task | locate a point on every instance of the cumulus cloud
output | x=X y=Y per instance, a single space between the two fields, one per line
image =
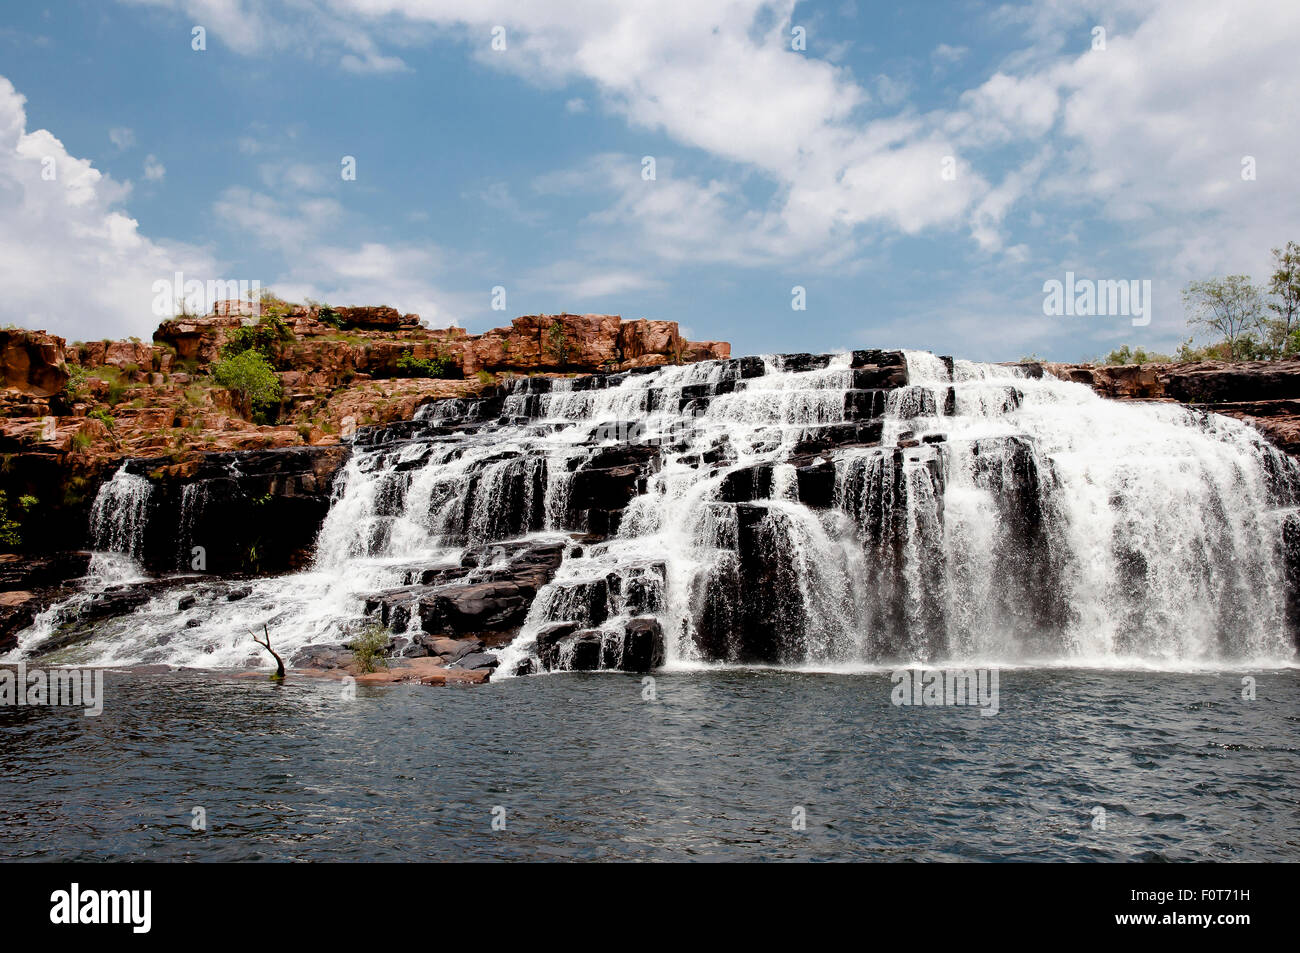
x=362 y=272
x=1157 y=123
x=72 y=260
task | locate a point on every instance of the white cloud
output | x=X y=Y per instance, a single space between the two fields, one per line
x=122 y=138
x=154 y=171
x=72 y=260
x=580 y=281
x=809 y=164
x=400 y=275
x=294 y=176
x=944 y=56
x=1151 y=123
x=576 y=105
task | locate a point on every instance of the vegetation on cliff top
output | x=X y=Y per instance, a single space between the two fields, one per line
x=1236 y=312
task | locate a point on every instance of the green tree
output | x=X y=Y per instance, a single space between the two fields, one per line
x=1284 y=286
x=1229 y=307
x=251 y=379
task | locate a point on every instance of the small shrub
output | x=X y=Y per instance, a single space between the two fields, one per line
x=368 y=648
x=557 y=343
x=75 y=388
x=264 y=337
x=117 y=392
x=1125 y=355
x=408 y=365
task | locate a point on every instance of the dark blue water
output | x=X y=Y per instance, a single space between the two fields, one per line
x=715 y=768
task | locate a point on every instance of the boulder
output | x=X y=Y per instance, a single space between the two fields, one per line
x=32 y=362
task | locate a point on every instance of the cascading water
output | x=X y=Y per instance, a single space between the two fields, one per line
x=117 y=517
x=815 y=511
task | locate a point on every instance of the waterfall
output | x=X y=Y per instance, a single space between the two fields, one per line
x=820 y=511
x=119 y=513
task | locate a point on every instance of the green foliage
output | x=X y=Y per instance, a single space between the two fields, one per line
x=250 y=377
x=486 y=378
x=103 y=416
x=1284 y=287
x=440 y=365
x=1136 y=355
x=557 y=343
x=80 y=442
x=368 y=648
x=272 y=305
x=75 y=388
x=327 y=315
x=1228 y=307
x=264 y=337
x=11 y=519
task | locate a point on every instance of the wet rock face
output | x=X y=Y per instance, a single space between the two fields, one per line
x=488 y=595
x=257 y=512
x=639 y=647
x=29 y=584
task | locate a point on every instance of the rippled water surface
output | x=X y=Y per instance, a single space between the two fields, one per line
x=715 y=768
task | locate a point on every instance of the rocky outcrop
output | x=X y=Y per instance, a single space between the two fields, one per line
x=31 y=363
x=70 y=414
x=28 y=584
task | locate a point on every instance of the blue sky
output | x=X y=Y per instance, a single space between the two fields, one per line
x=774 y=167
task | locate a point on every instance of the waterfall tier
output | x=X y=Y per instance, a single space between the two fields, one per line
x=865 y=508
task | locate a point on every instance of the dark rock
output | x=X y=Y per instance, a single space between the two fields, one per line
x=475 y=607
x=643 y=645
x=548 y=640
x=476 y=660
x=864 y=404
x=879 y=378
x=30 y=571
x=876 y=358
x=580 y=652
x=321 y=656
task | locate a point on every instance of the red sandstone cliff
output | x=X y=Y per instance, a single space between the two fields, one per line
x=338 y=369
